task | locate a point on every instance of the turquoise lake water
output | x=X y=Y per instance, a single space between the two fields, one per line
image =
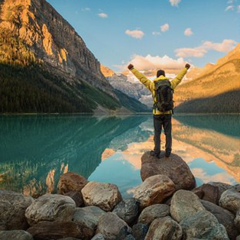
x=36 y=150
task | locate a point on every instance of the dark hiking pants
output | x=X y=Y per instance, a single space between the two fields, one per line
x=165 y=122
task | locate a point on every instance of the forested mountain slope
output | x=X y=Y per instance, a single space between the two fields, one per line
x=45 y=66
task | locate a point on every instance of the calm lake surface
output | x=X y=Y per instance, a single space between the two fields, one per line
x=36 y=150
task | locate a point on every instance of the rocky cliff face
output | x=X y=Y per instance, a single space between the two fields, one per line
x=45 y=65
x=50 y=40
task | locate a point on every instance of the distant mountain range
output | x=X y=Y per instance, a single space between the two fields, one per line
x=213 y=89
x=45 y=66
x=132 y=88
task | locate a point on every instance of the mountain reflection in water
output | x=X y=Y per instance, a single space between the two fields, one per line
x=36 y=150
x=214 y=141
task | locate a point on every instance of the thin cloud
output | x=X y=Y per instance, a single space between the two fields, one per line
x=103 y=15
x=85 y=9
x=199 y=52
x=188 y=32
x=135 y=34
x=226 y=46
x=156 y=33
x=165 y=27
x=229 y=8
x=175 y=3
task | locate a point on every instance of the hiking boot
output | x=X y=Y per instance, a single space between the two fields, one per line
x=167 y=154
x=154 y=154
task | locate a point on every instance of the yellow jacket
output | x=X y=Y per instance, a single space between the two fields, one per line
x=151 y=85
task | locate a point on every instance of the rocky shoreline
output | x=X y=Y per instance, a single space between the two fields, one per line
x=167 y=205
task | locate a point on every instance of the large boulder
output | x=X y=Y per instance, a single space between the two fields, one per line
x=225 y=217
x=57 y=230
x=153 y=190
x=203 y=225
x=103 y=195
x=110 y=226
x=77 y=198
x=71 y=182
x=50 y=207
x=196 y=222
x=185 y=204
x=139 y=231
x=152 y=212
x=88 y=217
x=127 y=210
x=174 y=167
x=230 y=199
x=211 y=191
x=164 y=228
x=12 y=210
x=208 y=192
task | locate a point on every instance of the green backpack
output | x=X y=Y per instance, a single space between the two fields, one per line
x=164 y=95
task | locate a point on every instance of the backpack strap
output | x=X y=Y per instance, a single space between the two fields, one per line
x=162 y=99
x=169 y=95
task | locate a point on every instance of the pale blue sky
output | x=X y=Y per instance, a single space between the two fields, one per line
x=154 y=32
